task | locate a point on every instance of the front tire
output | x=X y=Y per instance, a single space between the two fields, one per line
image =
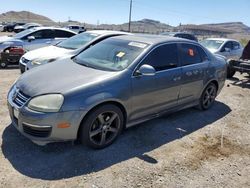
x=102 y=126
x=208 y=97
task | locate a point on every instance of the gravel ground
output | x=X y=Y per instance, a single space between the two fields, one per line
x=185 y=149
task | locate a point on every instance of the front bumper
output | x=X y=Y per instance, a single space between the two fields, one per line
x=42 y=128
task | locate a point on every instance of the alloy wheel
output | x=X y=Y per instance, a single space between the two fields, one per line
x=209 y=96
x=104 y=128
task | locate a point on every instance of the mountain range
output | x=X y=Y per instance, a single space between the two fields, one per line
x=144 y=25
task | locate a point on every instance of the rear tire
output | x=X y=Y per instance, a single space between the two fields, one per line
x=102 y=126
x=208 y=97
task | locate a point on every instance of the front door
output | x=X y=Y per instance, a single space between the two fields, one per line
x=152 y=94
x=42 y=38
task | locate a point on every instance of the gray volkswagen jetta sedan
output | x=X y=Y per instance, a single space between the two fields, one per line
x=117 y=83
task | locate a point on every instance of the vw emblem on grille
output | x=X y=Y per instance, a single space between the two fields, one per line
x=14 y=96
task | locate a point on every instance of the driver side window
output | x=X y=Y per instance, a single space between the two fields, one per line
x=163 y=57
x=227 y=45
x=42 y=34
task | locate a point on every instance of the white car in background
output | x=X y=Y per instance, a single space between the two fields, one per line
x=229 y=48
x=20 y=28
x=76 y=28
x=66 y=48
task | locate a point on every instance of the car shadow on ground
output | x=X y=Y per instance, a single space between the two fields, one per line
x=63 y=160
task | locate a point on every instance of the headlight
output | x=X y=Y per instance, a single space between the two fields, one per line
x=47 y=103
x=40 y=62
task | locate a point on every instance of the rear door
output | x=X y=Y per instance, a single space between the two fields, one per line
x=42 y=38
x=152 y=94
x=194 y=63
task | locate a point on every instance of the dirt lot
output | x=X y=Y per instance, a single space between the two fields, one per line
x=184 y=149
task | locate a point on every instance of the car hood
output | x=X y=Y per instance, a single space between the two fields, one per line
x=60 y=77
x=6 y=38
x=10 y=39
x=46 y=53
x=213 y=50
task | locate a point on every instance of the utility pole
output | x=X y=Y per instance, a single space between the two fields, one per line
x=130 y=11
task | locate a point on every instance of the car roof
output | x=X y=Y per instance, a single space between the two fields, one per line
x=153 y=39
x=222 y=39
x=105 y=32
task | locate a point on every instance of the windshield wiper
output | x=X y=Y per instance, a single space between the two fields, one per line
x=81 y=62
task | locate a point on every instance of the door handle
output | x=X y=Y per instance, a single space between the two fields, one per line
x=189 y=73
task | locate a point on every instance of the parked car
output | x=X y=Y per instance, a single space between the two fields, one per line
x=119 y=82
x=181 y=35
x=10 y=27
x=36 y=38
x=10 y=56
x=228 y=48
x=20 y=28
x=66 y=48
x=76 y=28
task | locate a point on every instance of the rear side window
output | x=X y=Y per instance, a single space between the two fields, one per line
x=190 y=54
x=236 y=46
x=63 y=34
x=163 y=58
x=203 y=55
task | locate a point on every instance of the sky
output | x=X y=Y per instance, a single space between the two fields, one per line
x=171 y=12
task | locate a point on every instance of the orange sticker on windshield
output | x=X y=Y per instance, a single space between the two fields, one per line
x=191 y=52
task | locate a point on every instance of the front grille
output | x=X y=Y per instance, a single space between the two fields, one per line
x=19 y=98
x=41 y=132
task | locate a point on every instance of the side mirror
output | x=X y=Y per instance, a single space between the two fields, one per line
x=145 y=70
x=31 y=38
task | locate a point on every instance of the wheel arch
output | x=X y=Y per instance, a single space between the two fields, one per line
x=214 y=81
x=112 y=102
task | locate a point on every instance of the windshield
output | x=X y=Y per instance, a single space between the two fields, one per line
x=77 y=41
x=111 y=54
x=212 y=44
x=22 y=34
